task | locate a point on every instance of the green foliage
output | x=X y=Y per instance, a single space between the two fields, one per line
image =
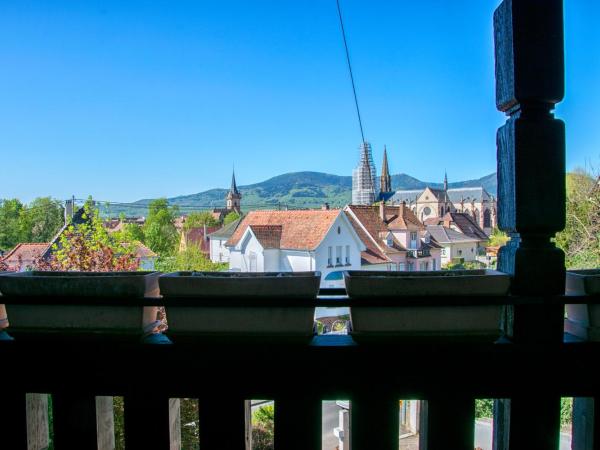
x=190 y=259
x=198 y=219
x=159 y=230
x=566 y=411
x=37 y=222
x=263 y=428
x=89 y=247
x=498 y=238
x=580 y=239
x=484 y=408
x=189 y=424
x=460 y=264
x=231 y=217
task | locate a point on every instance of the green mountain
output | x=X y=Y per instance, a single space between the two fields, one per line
x=294 y=190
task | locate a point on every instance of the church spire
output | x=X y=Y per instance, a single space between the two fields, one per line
x=385 y=181
x=233 y=189
x=445 y=180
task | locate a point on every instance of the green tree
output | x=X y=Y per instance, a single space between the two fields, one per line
x=580 y=240
x=87 y=246
x=159 y=230
x=42 y=219
x=199 y=219
x=231 y=217
x=497 y=238
x=190 y=259
x=11 y=229
x=263 y=428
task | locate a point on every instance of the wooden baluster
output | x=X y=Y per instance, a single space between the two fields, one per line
x=531 y=194
x=38 y=436
x=222 y=422
x=105 y=423
x=13 y=421
x=298 y=422
x=147 y=421
x=447 y=423
x=74 y=421
x=375 y=423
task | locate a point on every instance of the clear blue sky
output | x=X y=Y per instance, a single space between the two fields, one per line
x=126 y=99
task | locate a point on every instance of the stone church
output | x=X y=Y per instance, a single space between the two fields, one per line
x=431 y=203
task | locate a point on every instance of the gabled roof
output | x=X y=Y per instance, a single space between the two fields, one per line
x=373 y=232
x=269 y=236
x=445 y=235
x=226 y=231
x=25 y=254
x=439 y=194
x=466 y=224
x=400 y=217
x=398 y=197
x=300 y=230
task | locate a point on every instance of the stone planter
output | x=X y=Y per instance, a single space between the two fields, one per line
x=256 y=304
x=50 y=295
x=583 y=320
x=435 y=320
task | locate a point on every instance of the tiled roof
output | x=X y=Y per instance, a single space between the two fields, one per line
x=403 y=196
x=466 y=224
x=445 y=235
x=24 y=254
x=475 y=194
x=300 y=230
x=373 y=232
x=195 y=236
x=400 y=217
x=269 y=236
x=141 y=251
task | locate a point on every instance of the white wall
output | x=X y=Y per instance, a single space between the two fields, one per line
x=217 y=248
x=460 y=250
x=333 y=239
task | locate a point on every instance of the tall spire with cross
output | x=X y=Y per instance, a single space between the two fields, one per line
x=445 y=180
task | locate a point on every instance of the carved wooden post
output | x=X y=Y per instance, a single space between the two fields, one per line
x=175 y=423
x=248 y=420
x=531 y=191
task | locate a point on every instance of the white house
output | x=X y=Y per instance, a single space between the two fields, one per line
x=454 y=244
x=295 y=241
x=219 y=253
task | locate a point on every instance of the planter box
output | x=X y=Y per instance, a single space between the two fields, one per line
x=470 y=321
x=583 y=320
x=63 y=286
x=240 y=303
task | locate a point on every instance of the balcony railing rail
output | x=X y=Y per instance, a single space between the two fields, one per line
x=223 y=372
x=420 y=253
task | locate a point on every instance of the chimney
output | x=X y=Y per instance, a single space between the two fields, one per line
x=382 y=210
x=325 y=207
x=447 y=220
x=401 y=209
x=69 y=204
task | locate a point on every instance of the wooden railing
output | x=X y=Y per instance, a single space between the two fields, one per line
x=530 y=371
x=223 y=372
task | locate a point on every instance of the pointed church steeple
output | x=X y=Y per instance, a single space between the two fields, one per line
x=445 y=180
x=385 y=182
x=234 y=196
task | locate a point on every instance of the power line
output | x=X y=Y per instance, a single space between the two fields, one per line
x=362 y=134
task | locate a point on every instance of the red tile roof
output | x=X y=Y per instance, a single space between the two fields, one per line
x=372 y=232
x=300 y=230
x=195 y=236
x=401 y=218
x=24 y=255
x=466 y=224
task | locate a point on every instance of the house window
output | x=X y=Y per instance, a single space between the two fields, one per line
x=347 y=255
x=338 y=255
x=339 y=230
x=329 y=256
x=460 y=253
x=413 y=239
x=401 y=267
x=433 y=265
x=411 y=267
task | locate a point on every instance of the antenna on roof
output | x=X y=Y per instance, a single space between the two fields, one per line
x=362 y=134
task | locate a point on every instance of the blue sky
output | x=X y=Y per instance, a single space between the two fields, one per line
x=128 y=99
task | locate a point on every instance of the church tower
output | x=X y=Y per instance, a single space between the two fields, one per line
x=234 y=197
x=364 y=178
x=385 y=181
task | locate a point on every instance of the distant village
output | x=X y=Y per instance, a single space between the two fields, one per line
x=382 y=229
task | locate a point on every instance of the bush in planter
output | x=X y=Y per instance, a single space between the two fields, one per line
x=263 y=428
